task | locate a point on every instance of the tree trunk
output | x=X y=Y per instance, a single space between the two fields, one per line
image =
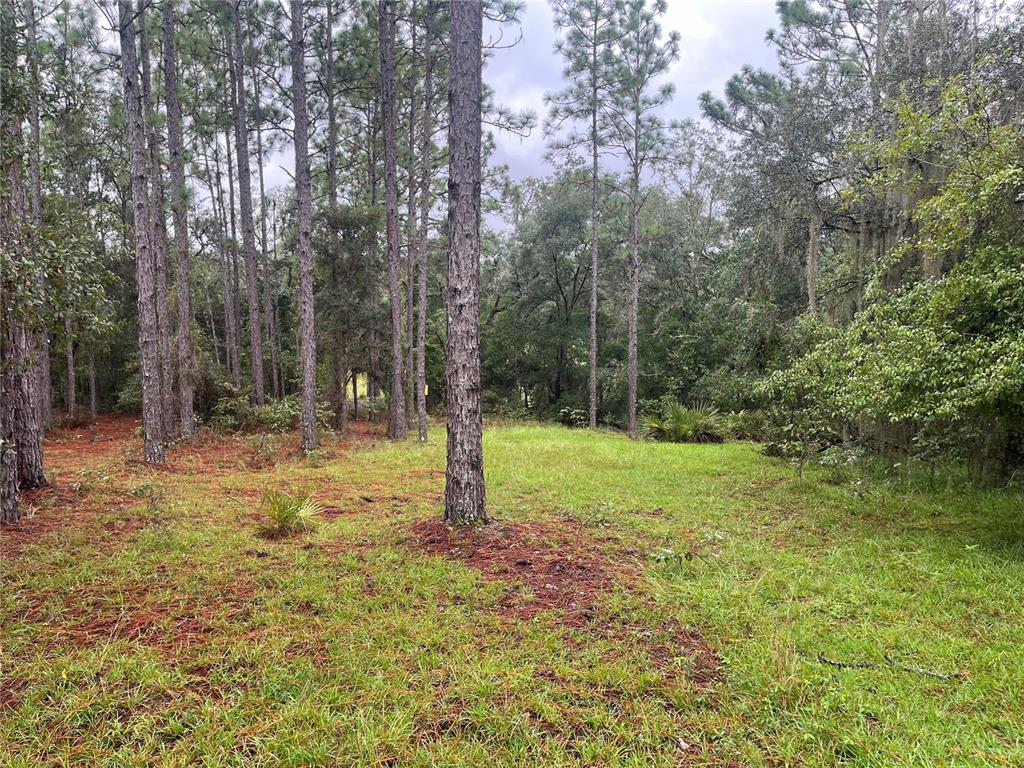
x=421 y=235
x=182 y=257
x=41 y=343
x=304 y=221
x=145 y=267
x=464 y=495
x=386 y=30
x=813 y=252
x=410 y=227
x=158 y=237
x=230 y=331
x=270 y=332
x=70 y=398
x=245 y=207
x=633 y=309
x=593 y=235
x=93 y=394
x=271 y=307
x=236 y=302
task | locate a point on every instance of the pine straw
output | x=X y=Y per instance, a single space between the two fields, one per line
x=563 y=573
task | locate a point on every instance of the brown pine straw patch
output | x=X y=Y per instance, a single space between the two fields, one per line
x=563 y=572
x=171 y=627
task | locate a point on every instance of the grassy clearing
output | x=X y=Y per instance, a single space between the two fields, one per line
x=144 y=622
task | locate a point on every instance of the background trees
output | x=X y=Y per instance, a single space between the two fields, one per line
x=821 y=212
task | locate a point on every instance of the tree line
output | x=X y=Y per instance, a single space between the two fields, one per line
x=834 y=246
x=136 y=139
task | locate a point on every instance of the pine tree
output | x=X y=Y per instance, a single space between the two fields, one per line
x=145 y=266
x=588 y=32
x=179 y=204
x=636 y=131
x=252 y=287
x=304 y=222
x=464 y=495
x=386 y=26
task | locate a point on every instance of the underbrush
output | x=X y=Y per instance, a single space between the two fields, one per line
x=235 y=411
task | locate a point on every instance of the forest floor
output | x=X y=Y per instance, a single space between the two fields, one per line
x=634 y=604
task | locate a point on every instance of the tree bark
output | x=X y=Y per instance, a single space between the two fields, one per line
x=41 y=342
x=304 y=221
x=182 y=257
x=813 y=253
x=93 y=394
x=70 y=395
x=633 y=309
x=386 y=30
x=270 y=331
x=236 y=302
x=464 y=495
x=410 y=226
x=593 y=230
x=421 y=234
x=158 y=237
x=230 y=331
x=145 y=267
x=245 y=207
x=269 y=305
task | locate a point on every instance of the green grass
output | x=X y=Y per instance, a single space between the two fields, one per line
x=192 y=641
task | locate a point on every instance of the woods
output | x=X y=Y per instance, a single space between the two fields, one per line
x=441 y=382
x=731 y=261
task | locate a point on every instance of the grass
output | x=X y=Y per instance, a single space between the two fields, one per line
x=144 y=623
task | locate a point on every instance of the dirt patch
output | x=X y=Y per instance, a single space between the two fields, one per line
x=556 y=571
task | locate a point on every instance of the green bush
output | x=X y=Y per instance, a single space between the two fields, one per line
x=746 y=425
x=574 y=417
x=235 y=412
x=677 y=423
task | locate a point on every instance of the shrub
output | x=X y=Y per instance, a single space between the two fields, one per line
x=235 y=411
x=574 y=417
x=746 y=425
x=287 y=514
x=678 y=424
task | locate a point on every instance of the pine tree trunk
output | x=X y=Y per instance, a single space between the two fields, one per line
x=304 y=221
x=245 y=207
x=813 y=252
x=421 y=234
x=593 y=238
x=633 y=309
x=386 y=30
x=230 y=330
x=182 y=257
x=464 y=495
x=40 y=390
x=145 y=267
x=271 y=307
x=93 y=394
x=158 y=238
x=70 y=394
x=410 y=226
x=236 y=302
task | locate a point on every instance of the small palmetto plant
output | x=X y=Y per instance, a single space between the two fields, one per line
x=287 y=514
x=678 y=424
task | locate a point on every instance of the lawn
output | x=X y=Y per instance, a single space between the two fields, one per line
x=635 y=604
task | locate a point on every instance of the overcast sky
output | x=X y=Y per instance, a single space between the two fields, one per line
x=717 y=37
